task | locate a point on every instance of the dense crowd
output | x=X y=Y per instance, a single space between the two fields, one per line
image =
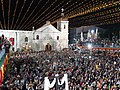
x=26 y=71
x=108 y=43
x=114 y=43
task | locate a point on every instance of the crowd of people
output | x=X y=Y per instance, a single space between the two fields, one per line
x=27 y=70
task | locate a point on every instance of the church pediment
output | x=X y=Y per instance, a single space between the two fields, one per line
x=48 y=29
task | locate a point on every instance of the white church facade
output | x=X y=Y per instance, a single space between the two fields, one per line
x=38 y=39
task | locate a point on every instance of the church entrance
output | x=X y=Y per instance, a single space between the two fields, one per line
x=48 y=47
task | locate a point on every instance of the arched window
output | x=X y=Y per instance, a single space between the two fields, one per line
x=64 y=26
x=37 y=37
x=57 y=37
x=26 y=39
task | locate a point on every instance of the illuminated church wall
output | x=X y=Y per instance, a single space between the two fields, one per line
x=38 y=39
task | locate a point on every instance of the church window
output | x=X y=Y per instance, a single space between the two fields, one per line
x=64 y=26
x=26 y=39
x=57 y=37
x=37 y=37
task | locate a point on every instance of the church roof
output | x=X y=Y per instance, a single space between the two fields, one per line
x=47 y=27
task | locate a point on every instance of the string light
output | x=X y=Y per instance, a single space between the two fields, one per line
x=31 y=13
x=88 y=11
x=1 y=25
x=25 y=14
x=9 y=12
x=19 y=14
x=32 y=19
x=57 y=15
x=48 y=15
x=14 y=13
x=3 y=14
x=80 y=12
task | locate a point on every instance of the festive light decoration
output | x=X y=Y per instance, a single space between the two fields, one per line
x=38 y=13
x=25 y=14
x=50 y=11
x=14 y=14
x=3 y=14
x=31 y=13
x=8 y=13
x=20 y=13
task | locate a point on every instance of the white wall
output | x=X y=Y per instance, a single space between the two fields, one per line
x=47 y=34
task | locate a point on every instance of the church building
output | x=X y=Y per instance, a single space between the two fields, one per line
x=45 y=38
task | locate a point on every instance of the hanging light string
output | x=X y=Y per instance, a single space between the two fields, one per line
x=78 y=13
x=115 y=12
x=1 y=25
x=31 y=14
x=33 y=19
x=4 y=24
x=112 y=19
x=103 y=19
x=101 y=22
x=109 y=21
x=99 y=14
x=71 y=6
x=97 y=8
x=81 y=6
x=19 y=14
x=16 y=5
x=9 y=13
x=50 y=15
x=56 y=16
x=44 y=11
x=49 y=12
x=25 y=14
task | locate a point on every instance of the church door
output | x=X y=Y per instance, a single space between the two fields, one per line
x=48 y=47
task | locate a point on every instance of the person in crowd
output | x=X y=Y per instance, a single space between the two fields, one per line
x=7 y=46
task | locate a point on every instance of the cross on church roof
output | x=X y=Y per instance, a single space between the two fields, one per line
x=62 y=9
x=62 y=14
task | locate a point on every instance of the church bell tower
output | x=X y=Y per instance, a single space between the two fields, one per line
x=62 y=26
